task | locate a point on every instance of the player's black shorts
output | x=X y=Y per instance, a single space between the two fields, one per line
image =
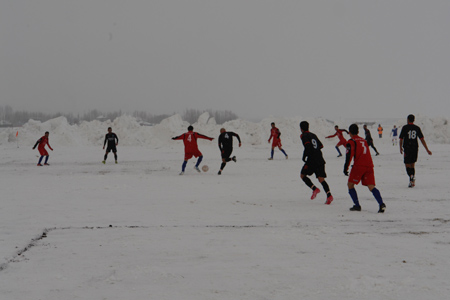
x=318 y=169
x=111 y=148
x=226 y=153
x=410 y=155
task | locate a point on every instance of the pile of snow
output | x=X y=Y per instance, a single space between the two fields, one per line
x=131 y=133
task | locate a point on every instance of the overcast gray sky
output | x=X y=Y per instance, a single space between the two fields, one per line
x=253 y=57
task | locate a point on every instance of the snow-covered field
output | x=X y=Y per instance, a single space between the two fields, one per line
x=79 y=229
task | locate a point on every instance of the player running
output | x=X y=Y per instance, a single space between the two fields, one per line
x=409 y=145
x=314 y=162
x=42 y=142
x=342 y=140
x=226 y=147
x=362 y=170
x=394 y=134
x=276 y=142
x=113 y=141
x=190 y=147
x=369 y=139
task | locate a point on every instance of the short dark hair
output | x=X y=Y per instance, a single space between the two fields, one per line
x=273 y=123
x=109 y=128
x=304 y=125
x=411 y=118
x=353 y=129
x=47 y=132
x=190 y=128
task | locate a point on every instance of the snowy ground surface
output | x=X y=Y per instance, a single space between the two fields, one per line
x=79 y=229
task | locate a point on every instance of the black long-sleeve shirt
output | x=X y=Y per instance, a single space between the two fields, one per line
x=111 y=138
x=226 y=140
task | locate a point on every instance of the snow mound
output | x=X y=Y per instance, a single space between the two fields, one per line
x=130 y=132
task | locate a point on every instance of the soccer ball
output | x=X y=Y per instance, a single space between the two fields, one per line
x=205 y=168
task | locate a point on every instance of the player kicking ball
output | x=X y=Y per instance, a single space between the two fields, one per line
x=191 y=147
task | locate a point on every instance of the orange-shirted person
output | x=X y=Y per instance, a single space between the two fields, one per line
x=380 y=131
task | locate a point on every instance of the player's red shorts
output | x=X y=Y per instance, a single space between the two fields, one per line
x=42 y=151
x=363 y=174
x=276 y=143
x=341 y=143
x=188 y=155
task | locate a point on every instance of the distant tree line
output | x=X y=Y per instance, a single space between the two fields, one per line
x=17 y=118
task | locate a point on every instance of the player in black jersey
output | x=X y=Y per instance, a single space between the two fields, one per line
x=226 y=147
x=112 y=140
x=314 y=162
x=409 y=147
x=369 y=139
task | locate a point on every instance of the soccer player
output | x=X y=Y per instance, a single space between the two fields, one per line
x=226 y=147
x=380 y=131
x=113 y=141
x=276 y=142
x=394 y=134
x=409 y=147
x=342 y=140
x=314 y=162
x=42 y=142
x=369 y=139
x=190 y=147
x=362 y=170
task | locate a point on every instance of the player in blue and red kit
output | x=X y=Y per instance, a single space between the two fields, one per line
x=276 y=140
x=394 y=134
x=42 y=142
x=362 y=170
x=342 y=140
x=190 y=147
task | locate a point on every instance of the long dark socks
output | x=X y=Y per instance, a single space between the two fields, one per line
x=354 y=196
x=377 y=195
x=199 y=160
x=308 y=182
x=326 y=187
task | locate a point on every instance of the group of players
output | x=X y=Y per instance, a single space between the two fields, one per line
x=357 y=149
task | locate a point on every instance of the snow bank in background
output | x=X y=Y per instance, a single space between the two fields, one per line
x=436 y=130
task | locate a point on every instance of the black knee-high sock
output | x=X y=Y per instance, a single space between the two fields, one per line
x=105 y=157
x=308 y=182
x=222 y=166
x=326 y=187
x=227 y=159
x=115 y=156
x=410 y=172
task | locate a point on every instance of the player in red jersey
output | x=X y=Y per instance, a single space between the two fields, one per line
x=362 y=170
x=342 y=140
x=190 y=147
x=276 y=141
x=42 y=142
